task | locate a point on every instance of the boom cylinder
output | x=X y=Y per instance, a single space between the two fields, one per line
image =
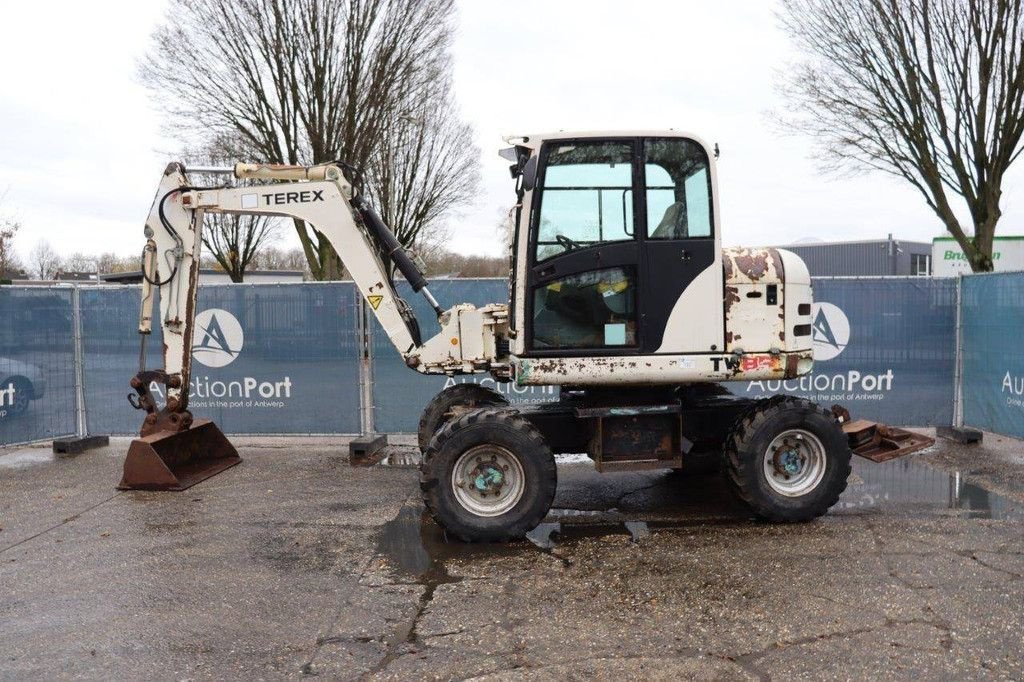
x=395 y=251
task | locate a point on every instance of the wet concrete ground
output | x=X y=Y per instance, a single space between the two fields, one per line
x=294 y=564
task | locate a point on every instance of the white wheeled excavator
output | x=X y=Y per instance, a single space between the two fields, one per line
x=620 y=293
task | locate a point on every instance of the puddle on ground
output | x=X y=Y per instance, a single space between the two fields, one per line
x=902 y=487
x=418 y=547
x=908 y=487
x=25 y=458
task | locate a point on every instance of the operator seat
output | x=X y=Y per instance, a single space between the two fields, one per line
x=673 y=223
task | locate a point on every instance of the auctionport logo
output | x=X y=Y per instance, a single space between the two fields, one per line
x=217 y=339
x=830 y=331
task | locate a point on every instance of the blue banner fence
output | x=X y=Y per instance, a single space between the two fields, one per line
x=991 y=351
x=297 y=359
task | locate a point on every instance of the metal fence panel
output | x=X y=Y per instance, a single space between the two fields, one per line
x=992 y=329
x=884 y=348
x=285 y=358
x=400 y=394
x=266 y=358
x=37 y=373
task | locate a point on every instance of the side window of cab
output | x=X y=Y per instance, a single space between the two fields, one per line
x=678 y=189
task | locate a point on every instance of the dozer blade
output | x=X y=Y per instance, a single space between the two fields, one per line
x=880 y=443
x=176 y=460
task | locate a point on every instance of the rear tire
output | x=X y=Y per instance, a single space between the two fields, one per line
x=488 y=476
x=788 y=459
x=452 y=402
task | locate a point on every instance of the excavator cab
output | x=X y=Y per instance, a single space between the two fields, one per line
x=615 y=230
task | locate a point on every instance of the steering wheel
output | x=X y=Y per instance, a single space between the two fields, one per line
x=567 y=243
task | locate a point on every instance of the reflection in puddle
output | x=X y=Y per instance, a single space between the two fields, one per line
x=908 y=488
x=900 y=488
x=417 y=546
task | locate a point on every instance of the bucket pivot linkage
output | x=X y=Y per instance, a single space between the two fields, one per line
x=174 y=451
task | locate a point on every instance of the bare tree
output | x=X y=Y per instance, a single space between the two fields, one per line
x=273 y=258
x=44 y=260
x=425 y=166
x=302 y=81
x=111 y=262
x=10 y=265
x=79 y=262
x=931 y=91
x=452 y=264
x=233 y=241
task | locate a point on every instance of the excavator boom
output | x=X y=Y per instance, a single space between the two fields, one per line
x=322 y=197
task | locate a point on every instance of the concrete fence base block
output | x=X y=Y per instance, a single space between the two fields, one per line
x=366 y=450
x=73 y=445
x=959 y=434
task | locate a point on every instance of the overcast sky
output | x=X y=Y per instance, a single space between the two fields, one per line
x=81 y=146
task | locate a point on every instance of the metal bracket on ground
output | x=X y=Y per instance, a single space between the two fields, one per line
x=73 y=445
x=960 y=434
x=367 y=450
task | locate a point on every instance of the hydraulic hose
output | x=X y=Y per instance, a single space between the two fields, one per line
x=389 y=244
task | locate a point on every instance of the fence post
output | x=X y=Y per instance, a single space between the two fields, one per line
x=958 y=367
x=81 y=426
x=957 y=431
x=366 y=416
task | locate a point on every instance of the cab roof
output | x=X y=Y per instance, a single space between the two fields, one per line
x=534 y=140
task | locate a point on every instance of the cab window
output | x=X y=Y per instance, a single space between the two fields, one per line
x=587 y=197
x=678 y=189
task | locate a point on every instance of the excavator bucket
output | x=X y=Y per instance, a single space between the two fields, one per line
x=176 y=460
x=880 y=442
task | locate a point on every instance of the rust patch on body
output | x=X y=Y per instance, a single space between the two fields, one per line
x=754 y=265
x=732 y=295
x=792 y=363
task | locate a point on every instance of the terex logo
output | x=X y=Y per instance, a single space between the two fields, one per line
x=217 y=339
x=293 y=197
x=250 y=201
x=830 y=331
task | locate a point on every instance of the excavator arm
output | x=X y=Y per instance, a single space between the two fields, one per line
x=322 y=197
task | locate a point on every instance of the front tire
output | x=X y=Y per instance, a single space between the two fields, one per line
x=788 y=459
x=488 y=476
x=452 y=402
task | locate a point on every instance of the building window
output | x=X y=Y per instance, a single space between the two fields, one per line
x=920 y=264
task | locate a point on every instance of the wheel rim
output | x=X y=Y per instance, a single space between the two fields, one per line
x=794 y=463
x=488 y=480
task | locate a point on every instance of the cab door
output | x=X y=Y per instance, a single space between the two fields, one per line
x=682 y=275
x=585 y=256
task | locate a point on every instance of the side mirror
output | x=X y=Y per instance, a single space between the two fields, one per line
x=530 y=173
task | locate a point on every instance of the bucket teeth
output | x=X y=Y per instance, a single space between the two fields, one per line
x=176 y=460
